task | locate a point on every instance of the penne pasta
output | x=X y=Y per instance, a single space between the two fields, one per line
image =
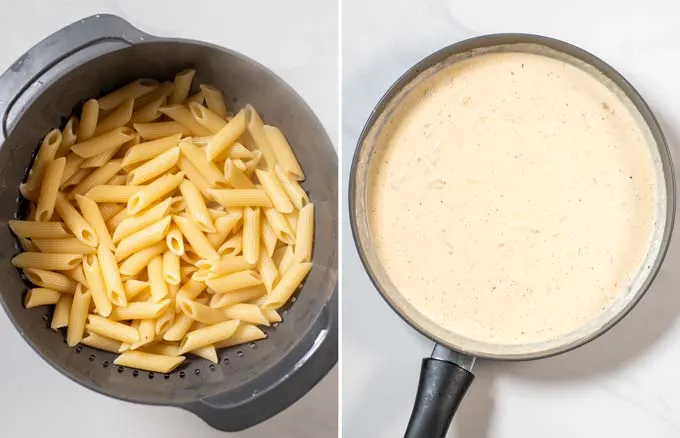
x=69 y=245
x=149 y=112
x=98 y=177
x=101 y=159
x=102 y=343
x=244 y=333
x=182 y=86
x=275 y=191
x=151 y=193
x=40 y=230
x=227 y=135
x=103 y=143
x=40 y=297
x=272 y=315
x=112 y=279
x=143 y=238
x=208 y=353
x=223 y=225
x=268 y=270
x=256 y=131
x=153 y=168
x=164 y=321
x=132 y=90
x=196 y=157
x=51 y=280
x=196 y=207
x=171 y=272
x=111 y=329
x=88 y=120
x=74 y=221
x=76 y=274
x=200 y=312
x=268 y=239
x=107 y=193
x=68 y=137
x=194 y=98
x=182 y=115
x=305 y=234
x=163 y=90
x=246 y=313
x=140 y=310
x=46 y=261
x=158 y=130
x=293 y=189
x=134 y=287
x=180 y=326
x=287 y=260
x=251 y=234
x=227 y=265
x=148 y=150
x=285 y=158
x=134 y=223
x=62 y=312
x=214 y=100
x=46 y=154
x=241 y=197
x=77 y=316
x=92 y=214
x=232 y=247
x=158 y=287
x=237 y=296
x=72 y=165
x=208 y=336
x=236 y=177
x=150 y=362
x=49 y=190
x=287 y=285
x=199 y=243
x=175 y=241
x=194 y=176
x=95 y=281
x=206 y=118
x=234 y=281
x=190 y=290
x=118 y=118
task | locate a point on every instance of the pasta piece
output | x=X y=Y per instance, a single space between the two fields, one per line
x=109 y=210
x=46 y=261
x=149 y=112
x=161 y=91
x=236 y=177
x=157 y=130
x=287 y=285
x=70 y=245
x=268 y=270
x=159 y=289
x=44 y=230
x=94 y=217
x=103 y=143
x=76 y=321
x=226 y=136
x=223 y=225
x=228 y=265
x=256 y=130
x=153 y=168
x=244 y=333
x=237 y=296
x=214 y=100
x=246 y=313
x=189 y=290
x=151 y=193
x=77 y=177
x=140 y=310
x=134 y=287
x=194 y=176
x=190 y=255
x=27 y=245
x=196 y=157
x=196 y=206
x=292 y=187
x=111 y=329
x=164 y=321
x=132 y=90
x=272 y=315
x=206 y=118
x=305 y=234
x=196 y=238
x=208 y=336
x=251 y=234
x=171 y=273
x=72 y=165
x=46 y=154
x=269 y=239
x=241 y=197
x=287 y=260
x=235 y=281
x=177 y=205
x=98 y=177
x=68 y=136
x=95 y=281
x=117 y=180
x=62 y=311
x=132 y=224
x=149 y=362
x=49 y=189
x=293 y=220
x=201 y=313
x=285 y=158
x=100 y=342
x=181 y=114
x=118 y=118
x=100 y=160
x=51 y=280
x=251 y=164
x=194 y=98
x=107 y=193
x=183 y=81
x=88 y=120
x=41 y=297
x=179 y=327
x=76 y=274
x=208 y=353
x=275 y=190
x=111 y=274
x=74 y=221
x=232 y=247
x=162 y=348
x=238 y=152
x=148 y=150
x=185 y=271
x=175 y=241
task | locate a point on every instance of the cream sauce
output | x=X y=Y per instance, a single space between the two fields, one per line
x=512 y=198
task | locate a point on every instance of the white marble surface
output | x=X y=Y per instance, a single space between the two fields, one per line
x=298 y=41
x=624 y=384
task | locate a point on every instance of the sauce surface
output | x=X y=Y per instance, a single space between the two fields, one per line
x=512 y=198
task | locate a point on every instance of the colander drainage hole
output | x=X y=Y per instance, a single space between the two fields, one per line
x=212 y=367
x=135 y=373
x=79 y=349
x=92 y=358
x=151 y=376
x=181 y=374
x=239 y=353
x=45 y=317
x=105 y=364
x=225 y=361
x=166 y=376
x=253 y=345
x=197 y=371
x=120 y=370
x=285 y=312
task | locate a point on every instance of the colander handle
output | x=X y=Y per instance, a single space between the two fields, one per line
x=279 y=387
x=444 y=380
x=48 y=53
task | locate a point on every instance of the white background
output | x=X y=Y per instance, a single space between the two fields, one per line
x=625 y=384
x=298 y=40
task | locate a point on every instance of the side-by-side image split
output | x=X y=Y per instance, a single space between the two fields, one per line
x=339 y=219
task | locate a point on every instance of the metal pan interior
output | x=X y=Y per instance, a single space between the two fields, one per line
x=369 y=145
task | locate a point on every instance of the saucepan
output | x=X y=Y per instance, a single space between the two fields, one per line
x=447 y=374
x=96 y=55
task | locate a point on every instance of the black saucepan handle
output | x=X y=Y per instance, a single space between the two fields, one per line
x=444 y=381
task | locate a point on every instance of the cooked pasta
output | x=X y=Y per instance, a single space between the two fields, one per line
x=159 y=224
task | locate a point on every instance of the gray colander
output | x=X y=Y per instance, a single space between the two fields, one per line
x=254 y=381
